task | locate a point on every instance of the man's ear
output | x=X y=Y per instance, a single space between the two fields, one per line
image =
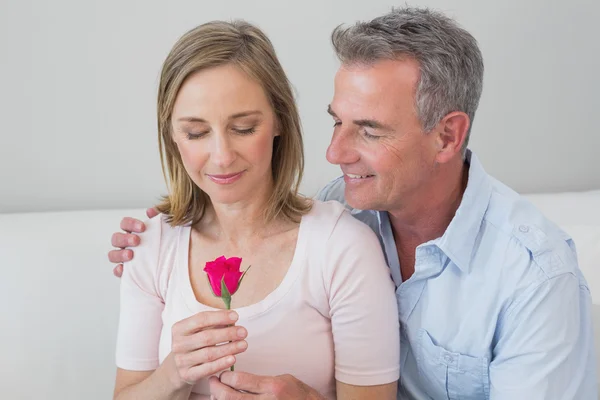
x=451 y=134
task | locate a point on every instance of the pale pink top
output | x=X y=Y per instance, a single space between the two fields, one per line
x=334 y=315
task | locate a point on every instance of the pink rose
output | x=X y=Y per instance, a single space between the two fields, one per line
x=224 y=276
x=224 y=269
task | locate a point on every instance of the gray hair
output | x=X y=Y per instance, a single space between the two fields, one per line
x=451 y=64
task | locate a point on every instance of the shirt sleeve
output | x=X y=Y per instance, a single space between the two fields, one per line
x=545 y=346
x=141 y=305
x=363 y=308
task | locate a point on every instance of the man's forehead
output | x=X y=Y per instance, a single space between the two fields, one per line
x=376 y=89
x=380 y=74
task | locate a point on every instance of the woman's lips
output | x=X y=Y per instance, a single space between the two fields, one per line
x=225 y=179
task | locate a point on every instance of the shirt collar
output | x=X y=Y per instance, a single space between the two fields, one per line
x=458 y=241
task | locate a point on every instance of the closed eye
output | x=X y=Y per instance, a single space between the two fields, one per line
x=368 y=135
x=192 y=136
x=363 y=131
x=248 y=131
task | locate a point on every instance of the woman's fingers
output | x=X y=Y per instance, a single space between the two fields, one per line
x=206 y=343
x=195 y=373
x=204 y=320
x=208 y=337
x=207 y=361
x=212 y=354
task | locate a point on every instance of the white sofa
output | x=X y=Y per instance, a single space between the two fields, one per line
x=59 y=300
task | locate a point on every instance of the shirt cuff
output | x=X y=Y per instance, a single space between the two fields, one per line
x=370 y=379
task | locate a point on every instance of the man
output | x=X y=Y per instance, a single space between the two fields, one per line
x=491 y=301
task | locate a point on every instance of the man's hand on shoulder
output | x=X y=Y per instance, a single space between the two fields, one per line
x=131 y=227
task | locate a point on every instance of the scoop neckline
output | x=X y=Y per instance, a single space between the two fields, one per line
x=250 y=311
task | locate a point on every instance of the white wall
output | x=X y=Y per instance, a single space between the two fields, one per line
x=78 y=82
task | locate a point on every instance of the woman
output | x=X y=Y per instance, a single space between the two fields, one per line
x=318 y=302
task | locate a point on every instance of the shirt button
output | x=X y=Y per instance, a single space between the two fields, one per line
x=449 y=359
x=524 y=228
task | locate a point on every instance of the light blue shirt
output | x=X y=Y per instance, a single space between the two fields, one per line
x=497 y=307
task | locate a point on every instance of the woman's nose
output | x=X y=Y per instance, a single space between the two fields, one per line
x=223 y=154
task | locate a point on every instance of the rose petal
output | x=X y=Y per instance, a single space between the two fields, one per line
x=232 y=280
x=233 y=264
x=215 y=270
x=215 y=284
x=221 y=262
x=210 y=266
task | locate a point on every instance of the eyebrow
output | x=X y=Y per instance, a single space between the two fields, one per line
x=369 y=123
x=233 y=116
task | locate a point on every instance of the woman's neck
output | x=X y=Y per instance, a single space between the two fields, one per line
x=240 y=222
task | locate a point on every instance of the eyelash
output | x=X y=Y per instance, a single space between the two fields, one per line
x=369 y=136
x=364 y=132
x=243 y=132
x=192 y=136
x=248 y=131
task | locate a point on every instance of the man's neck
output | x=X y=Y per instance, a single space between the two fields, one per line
x=428 y=215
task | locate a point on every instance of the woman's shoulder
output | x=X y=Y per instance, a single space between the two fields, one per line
x=329 y=209
x=158 y=232
x=332 y=219
x=158 y=245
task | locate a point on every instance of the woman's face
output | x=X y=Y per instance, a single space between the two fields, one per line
x=224 y=127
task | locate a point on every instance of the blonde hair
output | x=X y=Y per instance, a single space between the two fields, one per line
x=248 y=48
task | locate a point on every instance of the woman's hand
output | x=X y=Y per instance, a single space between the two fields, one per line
x=203 y=345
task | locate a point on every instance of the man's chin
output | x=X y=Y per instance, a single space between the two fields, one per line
x=358 y=202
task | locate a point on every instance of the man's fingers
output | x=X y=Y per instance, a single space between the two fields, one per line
x=118 y=271
x=120 y=256
x=122 y=240
x=132 y=225
x=220 y=391
x=151 y=212
x=248 y=382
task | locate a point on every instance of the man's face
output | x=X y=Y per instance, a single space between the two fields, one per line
x=378 y=140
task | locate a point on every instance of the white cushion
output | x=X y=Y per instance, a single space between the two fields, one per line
x=578 y=214
x=569 y=207
x=60 y=305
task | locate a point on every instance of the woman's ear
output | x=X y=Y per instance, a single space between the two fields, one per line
x=277 y=128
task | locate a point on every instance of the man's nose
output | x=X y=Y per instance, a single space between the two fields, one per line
x=342 y=149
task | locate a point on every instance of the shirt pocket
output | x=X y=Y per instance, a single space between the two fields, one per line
x=449 y=375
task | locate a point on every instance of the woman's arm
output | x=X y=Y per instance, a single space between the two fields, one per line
x=364 y=313
x=151 y=385
x=381 y=392
x=195 y=356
